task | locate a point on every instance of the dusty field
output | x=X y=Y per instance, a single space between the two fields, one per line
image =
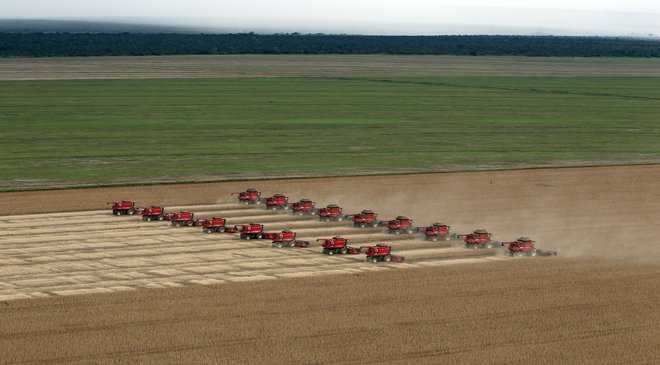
x=596 y=303
x=72 y=68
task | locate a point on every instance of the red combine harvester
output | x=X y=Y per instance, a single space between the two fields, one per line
x=181 y=219
x=366 y=218
x=480 y=238
x=382 y=252
x=249 y=196
x=331 y=213
x=277 y=201
x=123 y=207
x=249 y=231
x=287 y=239
x=400 y=225
x=303 y=207
x=153 y=213
x=214 y=225
x=524 y=246
x=437 y=231
x=338 y=245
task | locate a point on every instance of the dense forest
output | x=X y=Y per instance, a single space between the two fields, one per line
x=134 y=44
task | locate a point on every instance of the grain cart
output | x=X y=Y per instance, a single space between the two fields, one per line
x=479 y=239
x=524 y=246
x=287 y=239
x=182 y=219
x=277 y=202
x=214 y=225
x=250 y=231
x=399 y=225
x=382 y=252
x=153 y=213
x=366 y=218
x=303 y=207
x=437 y=231
x=332 y=212
x=123 y=207
x=249 y=196
x=338 y=245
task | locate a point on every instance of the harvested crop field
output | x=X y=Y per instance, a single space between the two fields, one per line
x=595 y=303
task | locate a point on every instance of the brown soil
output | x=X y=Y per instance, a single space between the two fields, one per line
x=595 y=303
x=72 y=68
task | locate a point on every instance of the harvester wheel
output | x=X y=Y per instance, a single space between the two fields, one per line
x=160 y=217
x=396 y=231
x=340 y=218
x=260 y=236
x=148 y=219
x=130 y=212
x=206 y=230
x=435 y=238
x=286 y=207
x=247 y=237
x=374 y=224
x=292 y=244
x=331 y=251
x=409 y=231
x=489 y=245
x=343 y=250
x=176 y=224
x=116 y=212
x=387 y=258
x=221 y=229
x=447 y=237
x=279 y=245
x=362 y=225
x=190 y=223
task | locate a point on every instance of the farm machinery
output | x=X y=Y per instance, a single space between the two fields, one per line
x=123 y=207
x=286 y=239
x=152 y=213
x=332 y=212
x=277 y=202
x=338 y=245
x=479 y=239
x=248 y=231
x=214 y=225
x=366 y=218
x=303 y=207
x=524 y=246
x=437 y=231
x=249 y=196
x=383 y=253
x=399 y=225
x=181 y=219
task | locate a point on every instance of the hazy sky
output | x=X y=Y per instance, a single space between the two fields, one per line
x=607 y=17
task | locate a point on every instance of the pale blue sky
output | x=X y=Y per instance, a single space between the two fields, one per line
x=606 y=17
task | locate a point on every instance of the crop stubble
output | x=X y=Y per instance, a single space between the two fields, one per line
x=596 y=303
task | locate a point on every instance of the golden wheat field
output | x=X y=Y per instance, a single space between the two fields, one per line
x=78 y=285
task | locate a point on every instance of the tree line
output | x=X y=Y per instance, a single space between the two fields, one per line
x=140 y=44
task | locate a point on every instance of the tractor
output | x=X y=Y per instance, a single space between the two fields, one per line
x=249 y=231
x=287 y=239
x=182 y=219
x=303 y=207
x=479 y=239
x=153 y=213
x=214 y=225
x=277 y=201
x=123 y=207
x=331 y=213
x=366 y=218
x=382 y=252
x=338 y=245
x=399 y=225
x=524 y=246
x=437 y=231
x=249 y=196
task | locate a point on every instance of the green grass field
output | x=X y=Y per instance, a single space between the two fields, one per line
x=57 y=133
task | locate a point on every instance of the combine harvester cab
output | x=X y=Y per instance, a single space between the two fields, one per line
x=437 y=232
x=480 y=239
x=277 y=202
x=249 y=196
x=400 y=225
x=153 y=213
x=332 y=212
x=250 y=231
x=338 y=245
x=524 y=246
x=287 y=239
x=214 y=225
x=123 y=207
x=366 y=218
x=182 y=219
x=304 y=207
x=382 y=252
